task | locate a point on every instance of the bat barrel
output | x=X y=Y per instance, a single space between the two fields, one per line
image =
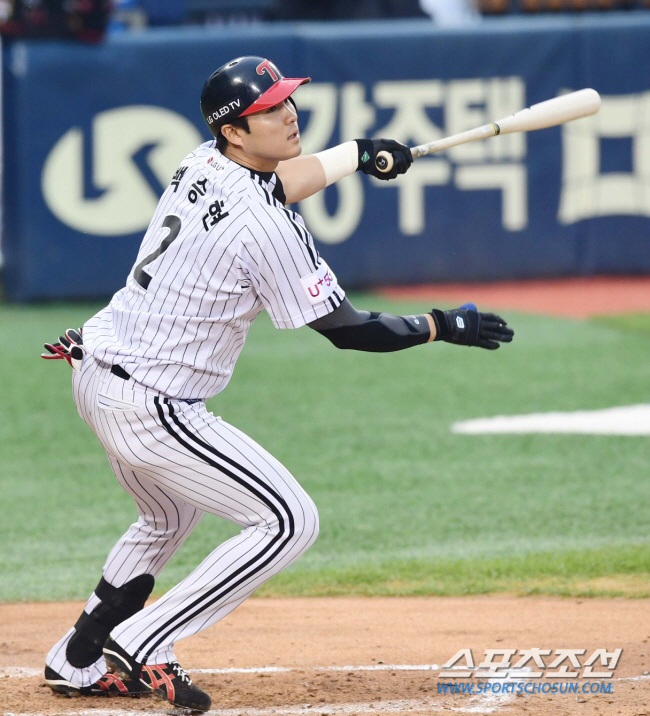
x=552 y=112
x=545 y=114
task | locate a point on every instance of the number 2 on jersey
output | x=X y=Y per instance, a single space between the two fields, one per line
x=173 y=224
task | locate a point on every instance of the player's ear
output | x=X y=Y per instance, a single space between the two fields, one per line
x=232 y=134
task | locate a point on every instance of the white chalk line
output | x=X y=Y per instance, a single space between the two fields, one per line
x=306 y=709
x=19 y=672
x=484 y=703
x=371 y=707
x=284 y=669
x=26 y=672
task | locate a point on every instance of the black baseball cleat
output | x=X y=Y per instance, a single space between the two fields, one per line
x=108 y=685
x=168 y=681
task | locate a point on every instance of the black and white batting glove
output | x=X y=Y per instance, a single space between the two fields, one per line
x=69 y=348
x=465 y=326
x=368 y=150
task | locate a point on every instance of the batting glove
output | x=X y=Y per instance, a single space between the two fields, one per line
x=368 y=150
x=69 y=348
x=465 y=326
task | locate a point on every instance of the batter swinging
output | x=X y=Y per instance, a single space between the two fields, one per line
x=221 y=247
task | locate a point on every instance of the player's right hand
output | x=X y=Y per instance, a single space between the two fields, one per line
x=368 y=150
x=69 y=348
x=466 y=326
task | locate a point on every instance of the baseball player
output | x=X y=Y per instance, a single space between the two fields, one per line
x=222 y=246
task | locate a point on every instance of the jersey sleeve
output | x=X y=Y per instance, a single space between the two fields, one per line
x=293 y=282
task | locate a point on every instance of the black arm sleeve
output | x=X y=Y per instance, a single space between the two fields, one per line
x=356 y=330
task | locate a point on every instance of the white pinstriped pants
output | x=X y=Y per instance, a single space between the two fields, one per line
x=178 y=461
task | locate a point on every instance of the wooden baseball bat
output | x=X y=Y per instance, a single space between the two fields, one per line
x=545 y=114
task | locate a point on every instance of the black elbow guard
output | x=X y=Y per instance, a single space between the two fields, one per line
x=381 y=333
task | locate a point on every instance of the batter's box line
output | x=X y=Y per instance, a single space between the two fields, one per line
x=285 y=669
x=26 y=672
x=371 y=707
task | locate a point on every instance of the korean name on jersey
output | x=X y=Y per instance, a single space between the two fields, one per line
x=220 y=248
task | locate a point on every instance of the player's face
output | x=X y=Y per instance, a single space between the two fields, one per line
x=274 y=134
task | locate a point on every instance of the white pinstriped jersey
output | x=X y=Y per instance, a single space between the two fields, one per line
x=221 y=247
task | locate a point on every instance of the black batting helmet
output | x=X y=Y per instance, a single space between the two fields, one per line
x=244 y=86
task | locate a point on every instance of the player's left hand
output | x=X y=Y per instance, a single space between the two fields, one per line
x=466 y=326
x=69 y=348
x=368 y=150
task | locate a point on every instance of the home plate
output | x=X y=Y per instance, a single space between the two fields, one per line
x=626 y=420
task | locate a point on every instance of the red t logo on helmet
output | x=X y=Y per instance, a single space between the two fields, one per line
x=266 y=66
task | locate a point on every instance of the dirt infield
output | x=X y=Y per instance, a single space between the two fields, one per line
x=572 y=298
x=345 y=655
x=352 y=656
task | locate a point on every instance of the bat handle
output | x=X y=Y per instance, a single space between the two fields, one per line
x=419 y=151
x=384 y=161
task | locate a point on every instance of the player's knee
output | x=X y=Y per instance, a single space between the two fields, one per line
x=156 y=531
x=162 y=528
x=295 y=522
x=306 y=527
x=313 y=528
x=313 y=522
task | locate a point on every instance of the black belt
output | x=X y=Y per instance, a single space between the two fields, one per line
x=120 y=372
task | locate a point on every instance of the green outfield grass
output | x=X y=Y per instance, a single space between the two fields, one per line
x=406 y=506
x=630 y=322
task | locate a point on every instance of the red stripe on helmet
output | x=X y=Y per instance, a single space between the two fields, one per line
x=277 y=93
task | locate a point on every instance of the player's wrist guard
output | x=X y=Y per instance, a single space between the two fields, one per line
x=339 y=161
x=368 y=150
x=465 y=326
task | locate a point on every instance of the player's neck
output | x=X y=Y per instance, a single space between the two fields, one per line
x=258 y=164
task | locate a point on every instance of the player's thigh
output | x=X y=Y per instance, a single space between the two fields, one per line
x=188 y=453
x=164 y=513
x=240 y=469
x=172 y=443
x=245 y=455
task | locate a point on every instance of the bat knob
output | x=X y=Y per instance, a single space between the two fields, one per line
x=384 y=161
